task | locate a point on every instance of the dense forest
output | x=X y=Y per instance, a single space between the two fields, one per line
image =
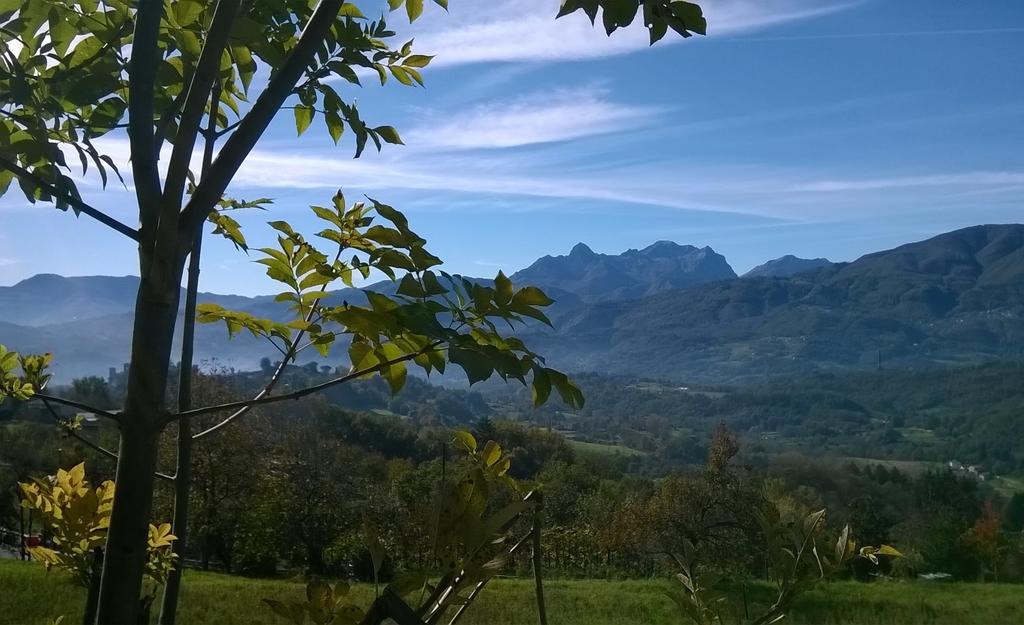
x=644 y=465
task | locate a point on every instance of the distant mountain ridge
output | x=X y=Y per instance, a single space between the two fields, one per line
x=955 y=298
x=593 y=277
x=667 y=310
x=786 y=266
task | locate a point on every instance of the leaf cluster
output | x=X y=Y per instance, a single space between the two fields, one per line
x=471 y=543
x=685 y=18
x=432 y=319
x=22 y=375
x=77 y=516
x=797 y=557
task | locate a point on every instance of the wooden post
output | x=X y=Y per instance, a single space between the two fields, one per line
x=538 y=558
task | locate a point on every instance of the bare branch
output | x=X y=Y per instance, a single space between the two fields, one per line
x=88 y=443
x=289 y=355
x=72 y=200
x=142 y=75
x=263 y=398
x=76 y=404
x=252 y=126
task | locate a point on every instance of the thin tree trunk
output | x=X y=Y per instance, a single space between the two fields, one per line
x=93 y=593
x=538 y=558
x=23 y=555
x=183 y=473
x=125 y=554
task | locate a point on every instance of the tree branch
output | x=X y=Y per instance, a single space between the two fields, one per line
x=75 y=404
x=88 y=443
x=142 y=76
x=289 y=355
x=199 y=91
x=309 y=390
x=252 y=126
x=75 y=202
x=160 y=134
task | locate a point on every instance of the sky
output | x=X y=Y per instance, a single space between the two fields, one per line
x=820 y=128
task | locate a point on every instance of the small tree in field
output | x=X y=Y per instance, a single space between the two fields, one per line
x=76 y=515
x=178 y=76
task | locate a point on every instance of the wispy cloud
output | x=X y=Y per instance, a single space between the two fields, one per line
x=518 y=30
x=986 y=179
x=535 y=118
x=953 y=32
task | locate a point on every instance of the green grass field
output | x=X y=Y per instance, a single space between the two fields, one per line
x=604 y=449
x=28 y=596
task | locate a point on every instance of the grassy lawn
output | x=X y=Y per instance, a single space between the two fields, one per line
x=29 y=597
x=604 y=449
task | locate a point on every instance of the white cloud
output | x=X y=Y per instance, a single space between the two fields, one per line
x=525 y=30
x=6 y=262
x=974 y=178
x=766 y=191
x=536 y=118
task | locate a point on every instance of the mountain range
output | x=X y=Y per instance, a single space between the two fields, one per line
x=668 y=310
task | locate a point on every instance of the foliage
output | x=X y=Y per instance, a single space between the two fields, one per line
x=182 y=73
x=659 y=15
x=798 y=557
x=324 y=605
x=434 y=317
x=77 y=516
x=32 y=376
x=469 y=542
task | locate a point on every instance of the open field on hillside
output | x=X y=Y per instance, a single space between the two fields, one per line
x=604 y=449
x=31 y=597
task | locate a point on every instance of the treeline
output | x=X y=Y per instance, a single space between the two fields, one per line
x=967 y=414
x=294 y=486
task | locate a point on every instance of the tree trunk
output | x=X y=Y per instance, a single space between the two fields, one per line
x=125 y=555
x=183 y=473
x=22 y=553
x=93 y=592
x=538 y=558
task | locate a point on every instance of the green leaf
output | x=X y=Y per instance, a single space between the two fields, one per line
x=691 y=15
x=335 y=126
x=502 y=289
x=186 y=12
x=532 y=296
x=350 y=10
x=303 y=118
x=491 y=453
x=569 y=392
x=477 y=366
x=401 y=75
x=319 y=594
x=389 y=134
x=410 y=287
x=417 y=60
x=395 y=375
x=541 y=388
x=464 y=440
x=414 y=8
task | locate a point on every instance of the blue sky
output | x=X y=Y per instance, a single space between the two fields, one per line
x=812 y=127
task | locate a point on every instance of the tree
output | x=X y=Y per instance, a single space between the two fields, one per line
x=184 y=74
x=1013 y=516
x=77 y=516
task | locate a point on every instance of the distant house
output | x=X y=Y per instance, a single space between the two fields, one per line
x=88 y=420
